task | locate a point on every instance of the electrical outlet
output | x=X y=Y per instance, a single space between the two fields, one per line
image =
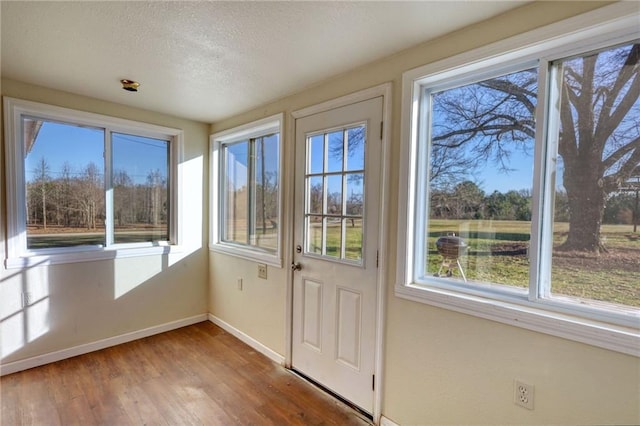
x=27 y=299
x=262 y=271
x=239 y=283
x=523 y=395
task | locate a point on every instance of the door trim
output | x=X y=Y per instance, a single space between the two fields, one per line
x=383 y=90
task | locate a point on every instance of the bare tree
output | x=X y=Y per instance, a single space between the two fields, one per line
x=89 y=195
x=156 y=184
x=599 y=140
x=124 y=202
x=41 y=174
x=599 y=136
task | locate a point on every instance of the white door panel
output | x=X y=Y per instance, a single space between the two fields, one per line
x=336 y=236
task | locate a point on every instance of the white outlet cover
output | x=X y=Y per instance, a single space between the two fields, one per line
x=523 y=394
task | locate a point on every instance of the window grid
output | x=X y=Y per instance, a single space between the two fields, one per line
x=327 y=173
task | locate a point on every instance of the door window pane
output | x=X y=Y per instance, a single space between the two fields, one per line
x=315 y=191
x=140 y=188
x=355 y=148
x=314 y=234
x=353 y=238
x=480 y=181
x=596 y=249
x=335 y=153
x=334 y=195
x=333 y=237
x=64 y=176
x=316 y=154
x=355 y=194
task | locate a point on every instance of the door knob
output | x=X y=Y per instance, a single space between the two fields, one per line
x=296 y=266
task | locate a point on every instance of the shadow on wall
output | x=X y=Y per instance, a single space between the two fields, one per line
x=50 y=308
x=24 y=312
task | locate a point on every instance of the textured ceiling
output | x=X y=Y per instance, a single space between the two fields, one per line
x=209 y=60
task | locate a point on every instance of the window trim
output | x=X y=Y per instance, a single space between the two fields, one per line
x=18 y=255
x=254 y=129
x=599 y=28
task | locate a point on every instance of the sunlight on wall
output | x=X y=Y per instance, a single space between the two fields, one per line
x=190 y=198
x=20 y=325
x=132 y=272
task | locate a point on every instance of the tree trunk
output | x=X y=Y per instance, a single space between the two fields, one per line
x=586 y=198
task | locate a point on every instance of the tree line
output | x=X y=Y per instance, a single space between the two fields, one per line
x=76 y=199
x=467 y=200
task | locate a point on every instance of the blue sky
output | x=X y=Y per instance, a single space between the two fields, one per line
x=492 y=179
x=78 y=146
x=238 y=160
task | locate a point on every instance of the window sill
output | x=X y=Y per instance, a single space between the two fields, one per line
x=247 y=254
x=87 y=255
x=608 y=336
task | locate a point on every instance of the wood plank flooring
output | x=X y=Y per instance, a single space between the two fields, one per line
x=196 y=375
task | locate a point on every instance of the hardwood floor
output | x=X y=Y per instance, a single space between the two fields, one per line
x=196 y=375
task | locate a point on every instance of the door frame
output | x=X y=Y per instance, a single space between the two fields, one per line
x=383 y=90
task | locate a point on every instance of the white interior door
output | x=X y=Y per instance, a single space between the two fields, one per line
x=337 y=194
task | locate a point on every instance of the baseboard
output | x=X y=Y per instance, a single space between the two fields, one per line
x=269 y=353
x=386 y=422
x=36 y=361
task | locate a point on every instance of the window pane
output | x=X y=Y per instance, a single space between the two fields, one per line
x=64 y=175
x=333 y=236
x=334 y=195
x=355 y=194
x=335 y=151
x=314 y=234
x=355 y=148
x=596 y=244
x=315 y=192
x=316 y=154
x=480 y=177
x=353 y=239
x=140 y=188
x=236 y=192
x=265 y=230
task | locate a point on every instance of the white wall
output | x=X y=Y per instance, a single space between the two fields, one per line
x=81 y=303
x=442 y=367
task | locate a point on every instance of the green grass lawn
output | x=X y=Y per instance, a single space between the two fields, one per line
x=352 y=240
x=611 y=277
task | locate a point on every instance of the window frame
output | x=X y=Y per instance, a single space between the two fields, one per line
x=527 y=309
x=217 y=141
x=17 y=254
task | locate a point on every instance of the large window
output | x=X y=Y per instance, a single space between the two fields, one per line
x=523 y=177
x=245 y=164
x=83 y=183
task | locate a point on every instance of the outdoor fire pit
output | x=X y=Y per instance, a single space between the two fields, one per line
x=451 y=247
